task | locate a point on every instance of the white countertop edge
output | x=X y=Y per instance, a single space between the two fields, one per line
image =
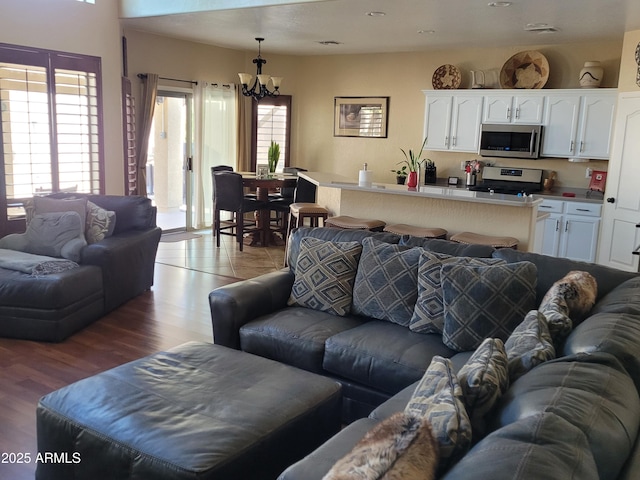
x=437 y=192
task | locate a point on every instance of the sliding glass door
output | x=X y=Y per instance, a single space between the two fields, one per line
x=169 y=164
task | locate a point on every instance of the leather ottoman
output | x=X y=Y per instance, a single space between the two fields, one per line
x=50 y=307
x=196 y=411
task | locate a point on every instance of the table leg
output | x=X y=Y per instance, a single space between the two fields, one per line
x=264 y=236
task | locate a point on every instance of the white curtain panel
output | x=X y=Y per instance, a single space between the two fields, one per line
x=216 y=140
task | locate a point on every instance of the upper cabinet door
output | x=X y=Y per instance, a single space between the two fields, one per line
x=528 y=109
x=523 y=108
x=560 y=125
x=437 y=122
x=596 y=126
x=465 y=123
x=497 y=109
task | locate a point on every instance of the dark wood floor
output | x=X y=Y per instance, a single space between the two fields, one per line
x=175 y=311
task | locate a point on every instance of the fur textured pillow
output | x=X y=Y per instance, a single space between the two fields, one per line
x=400 y=447
x=567 y=302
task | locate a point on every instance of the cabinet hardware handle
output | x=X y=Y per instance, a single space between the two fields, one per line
x=583 y=210
x=611 y=200
x=557 y=225
x=582 y=146
x=517 y=112
x=545 y=206
x=508 y=113
x=572 y=145
x=446 y=141
x=566 y=226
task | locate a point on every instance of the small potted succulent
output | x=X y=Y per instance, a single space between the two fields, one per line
x=401 y=175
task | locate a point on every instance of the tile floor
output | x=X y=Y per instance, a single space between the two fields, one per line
x=201 y=254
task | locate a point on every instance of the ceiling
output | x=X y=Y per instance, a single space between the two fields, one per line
x=296 y=28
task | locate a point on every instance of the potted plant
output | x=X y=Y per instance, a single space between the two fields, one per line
x=413 y=163
x=401 y=175
x=273 y=155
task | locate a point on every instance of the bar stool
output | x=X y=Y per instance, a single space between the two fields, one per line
x=471 y=238
x=424 y=232
x=352 y=223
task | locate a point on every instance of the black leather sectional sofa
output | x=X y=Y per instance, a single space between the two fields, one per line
x=577 y=416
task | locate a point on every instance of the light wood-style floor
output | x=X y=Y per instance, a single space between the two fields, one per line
x=176 y=310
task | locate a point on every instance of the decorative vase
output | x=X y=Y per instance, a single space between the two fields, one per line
x=430 y=174
x=413 y=180
x=591 y=75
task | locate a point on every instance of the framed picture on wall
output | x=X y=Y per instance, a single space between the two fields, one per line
x=360 y=117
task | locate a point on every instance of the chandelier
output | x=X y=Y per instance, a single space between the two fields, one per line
x=259 y=88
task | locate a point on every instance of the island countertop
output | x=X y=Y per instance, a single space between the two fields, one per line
x=429 y=191
x=454 y=209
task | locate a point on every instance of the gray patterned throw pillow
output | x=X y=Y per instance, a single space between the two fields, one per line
x=438 y=398
x=484 y=379
x=325 y=274
x=529 y=345
x=428 y=315
x=485 y=301
x=386 y=284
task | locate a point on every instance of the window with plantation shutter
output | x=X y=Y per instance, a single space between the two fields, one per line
x=51 y=128
x=271 y=122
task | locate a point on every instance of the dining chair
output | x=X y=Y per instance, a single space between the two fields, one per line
x=280 y=202
x=228 y=196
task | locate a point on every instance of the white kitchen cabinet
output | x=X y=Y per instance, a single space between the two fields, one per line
x=578 y=125
x=525 y=108
x=452 y=122
x=571 y=230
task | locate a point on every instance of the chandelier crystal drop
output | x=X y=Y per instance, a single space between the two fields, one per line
x=258 y=89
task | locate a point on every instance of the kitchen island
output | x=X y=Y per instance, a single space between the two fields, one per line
x=455 y=209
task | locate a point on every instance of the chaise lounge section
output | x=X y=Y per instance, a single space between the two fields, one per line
x=111 y=271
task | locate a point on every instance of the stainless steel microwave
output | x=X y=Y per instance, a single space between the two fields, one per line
x=513 y=141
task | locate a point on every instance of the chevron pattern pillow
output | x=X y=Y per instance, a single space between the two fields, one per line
x=386 y=284
x=325 y=274
x=428 y=314
x=484 y=379
x=529 y=345
x=485 y=301
x=438 y=397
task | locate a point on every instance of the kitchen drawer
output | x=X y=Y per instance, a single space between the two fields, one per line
x=586 y=209
x=551 y=206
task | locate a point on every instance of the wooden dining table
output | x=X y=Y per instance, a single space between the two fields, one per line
x=263 y=186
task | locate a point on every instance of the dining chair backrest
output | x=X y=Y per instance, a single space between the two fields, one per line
x=305 y=192
x=228 y=194
x=290 y=192
x=221 y=168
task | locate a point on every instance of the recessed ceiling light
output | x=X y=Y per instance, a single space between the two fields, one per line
x=426 y=32
x=329 y=42
x=499 y=4
x=376 y=14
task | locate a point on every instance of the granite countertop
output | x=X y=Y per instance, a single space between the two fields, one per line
x=439 y=190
